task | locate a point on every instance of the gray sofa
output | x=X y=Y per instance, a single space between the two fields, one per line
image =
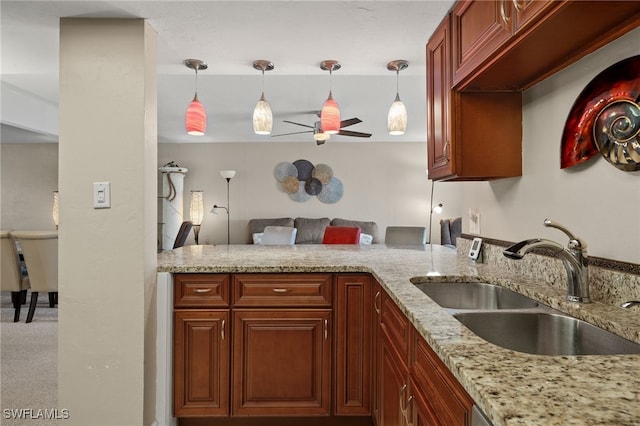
x=311 y=230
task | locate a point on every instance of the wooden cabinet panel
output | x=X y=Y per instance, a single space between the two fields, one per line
x=266 y=290
x=281 y=362
x=446 y=398
x=479 y=28
x=353 y=345
x=392 y=385
x=201 y=290
x=375 y=354
x=527 y=12
x=418 y=410
x=394 y=325
x=439 y=103
x=201 y=363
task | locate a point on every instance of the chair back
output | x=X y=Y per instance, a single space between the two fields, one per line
x=40 y=251
x=10 y=275
x=404 y=235
x=183 y=233
x=341 y=235
x=279 y=235
x=450 y=230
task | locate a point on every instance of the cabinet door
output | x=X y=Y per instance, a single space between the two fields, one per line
x=281 y=362
x=418 y=410
x=439 y=149
x=526 y=12
x=479 y=29
x=392 y=385
x=353 y=345
x=376 y=354
x=201 y=363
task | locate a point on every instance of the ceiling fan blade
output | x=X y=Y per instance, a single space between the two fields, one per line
x=298 y=124
x=356 y=134
x=350 y=122
x=293 y=133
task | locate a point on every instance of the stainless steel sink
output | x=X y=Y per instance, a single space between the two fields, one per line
x=472 y=295
x=543 y=333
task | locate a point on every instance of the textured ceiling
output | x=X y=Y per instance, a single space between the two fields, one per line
x=229 y=35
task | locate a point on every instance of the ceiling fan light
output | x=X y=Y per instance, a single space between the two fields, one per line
x=330 y=116
x=262 y=117
x=397 y=117
x=196 y=118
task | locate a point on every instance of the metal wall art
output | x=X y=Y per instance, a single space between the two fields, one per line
x=605 y=118
x=302 y=180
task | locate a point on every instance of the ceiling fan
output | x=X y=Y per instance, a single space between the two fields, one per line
x=321 y=137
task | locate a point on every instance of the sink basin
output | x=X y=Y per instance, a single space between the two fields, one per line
x=471 y=295
x=544 y=333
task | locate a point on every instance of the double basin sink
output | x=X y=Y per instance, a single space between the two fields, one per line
x=514 y=321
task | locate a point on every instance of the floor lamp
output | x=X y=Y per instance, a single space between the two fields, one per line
x=228 y=175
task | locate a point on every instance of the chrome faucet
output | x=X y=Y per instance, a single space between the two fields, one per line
x=574 y=259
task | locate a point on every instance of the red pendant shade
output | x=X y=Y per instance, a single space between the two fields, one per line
x=330 y=116
x=196 y=118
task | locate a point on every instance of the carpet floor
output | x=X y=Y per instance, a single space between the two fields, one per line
x=28 y=364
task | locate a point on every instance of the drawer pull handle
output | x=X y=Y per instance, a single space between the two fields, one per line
x=503 y=12
x=222 y=329
x=375 y=303
x=202 y=290
x=281 y=290
x=326 y=329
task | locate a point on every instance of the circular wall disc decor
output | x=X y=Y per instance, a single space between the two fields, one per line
x=605 y=118
x=301 y=180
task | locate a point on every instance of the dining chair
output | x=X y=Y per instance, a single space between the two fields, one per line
x=279 y=235
x=403 y=235
x=341 y=235
x=450 y=230
x=183 y=233
x=11 y=277
x=40 y=251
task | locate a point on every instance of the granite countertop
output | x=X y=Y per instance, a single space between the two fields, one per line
x=512 y=388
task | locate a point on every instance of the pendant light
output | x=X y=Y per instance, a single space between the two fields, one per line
x=330 y=114
x=397 y=117
x=196 y=116
x=262 y=117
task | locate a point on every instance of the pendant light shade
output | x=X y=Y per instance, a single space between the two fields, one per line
x=330 y=116
x=397 y=117
x=262 y=116
x=196 y=116
x=330 y=113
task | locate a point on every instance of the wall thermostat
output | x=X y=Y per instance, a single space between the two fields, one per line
x=476 y=246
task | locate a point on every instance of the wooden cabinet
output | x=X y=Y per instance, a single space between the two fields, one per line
x=479 y=28
x=440 y=396
x=376 y=353
x=353 y=313
x=281 y=362
x=514 y=44
x=201 y=345
x=470 y=135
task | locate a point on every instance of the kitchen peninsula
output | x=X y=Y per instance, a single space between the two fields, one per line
x=511 y=388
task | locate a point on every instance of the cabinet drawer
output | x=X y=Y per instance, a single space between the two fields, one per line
x=270 y=290
x=394 y=326
x=201 y=290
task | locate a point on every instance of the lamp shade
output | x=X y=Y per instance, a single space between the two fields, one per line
x=227 y=174
x=262 y=117
x=55 y=211
x=196 y=210
x=397 y=117
x=330 y=116
x=196 y=118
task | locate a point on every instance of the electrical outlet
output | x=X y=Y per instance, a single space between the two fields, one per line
x=474 y=221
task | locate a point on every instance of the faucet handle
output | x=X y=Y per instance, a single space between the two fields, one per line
x=574 y=242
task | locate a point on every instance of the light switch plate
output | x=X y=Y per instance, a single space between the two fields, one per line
x=101 y=195
x=474 y=221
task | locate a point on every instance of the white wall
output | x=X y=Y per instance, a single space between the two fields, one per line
x=383 y=182
x=596 y=201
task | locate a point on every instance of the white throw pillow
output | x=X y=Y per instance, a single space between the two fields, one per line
x=366 y=238
x=257 y=238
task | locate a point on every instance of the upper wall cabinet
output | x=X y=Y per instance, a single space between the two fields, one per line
x=513 y=44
